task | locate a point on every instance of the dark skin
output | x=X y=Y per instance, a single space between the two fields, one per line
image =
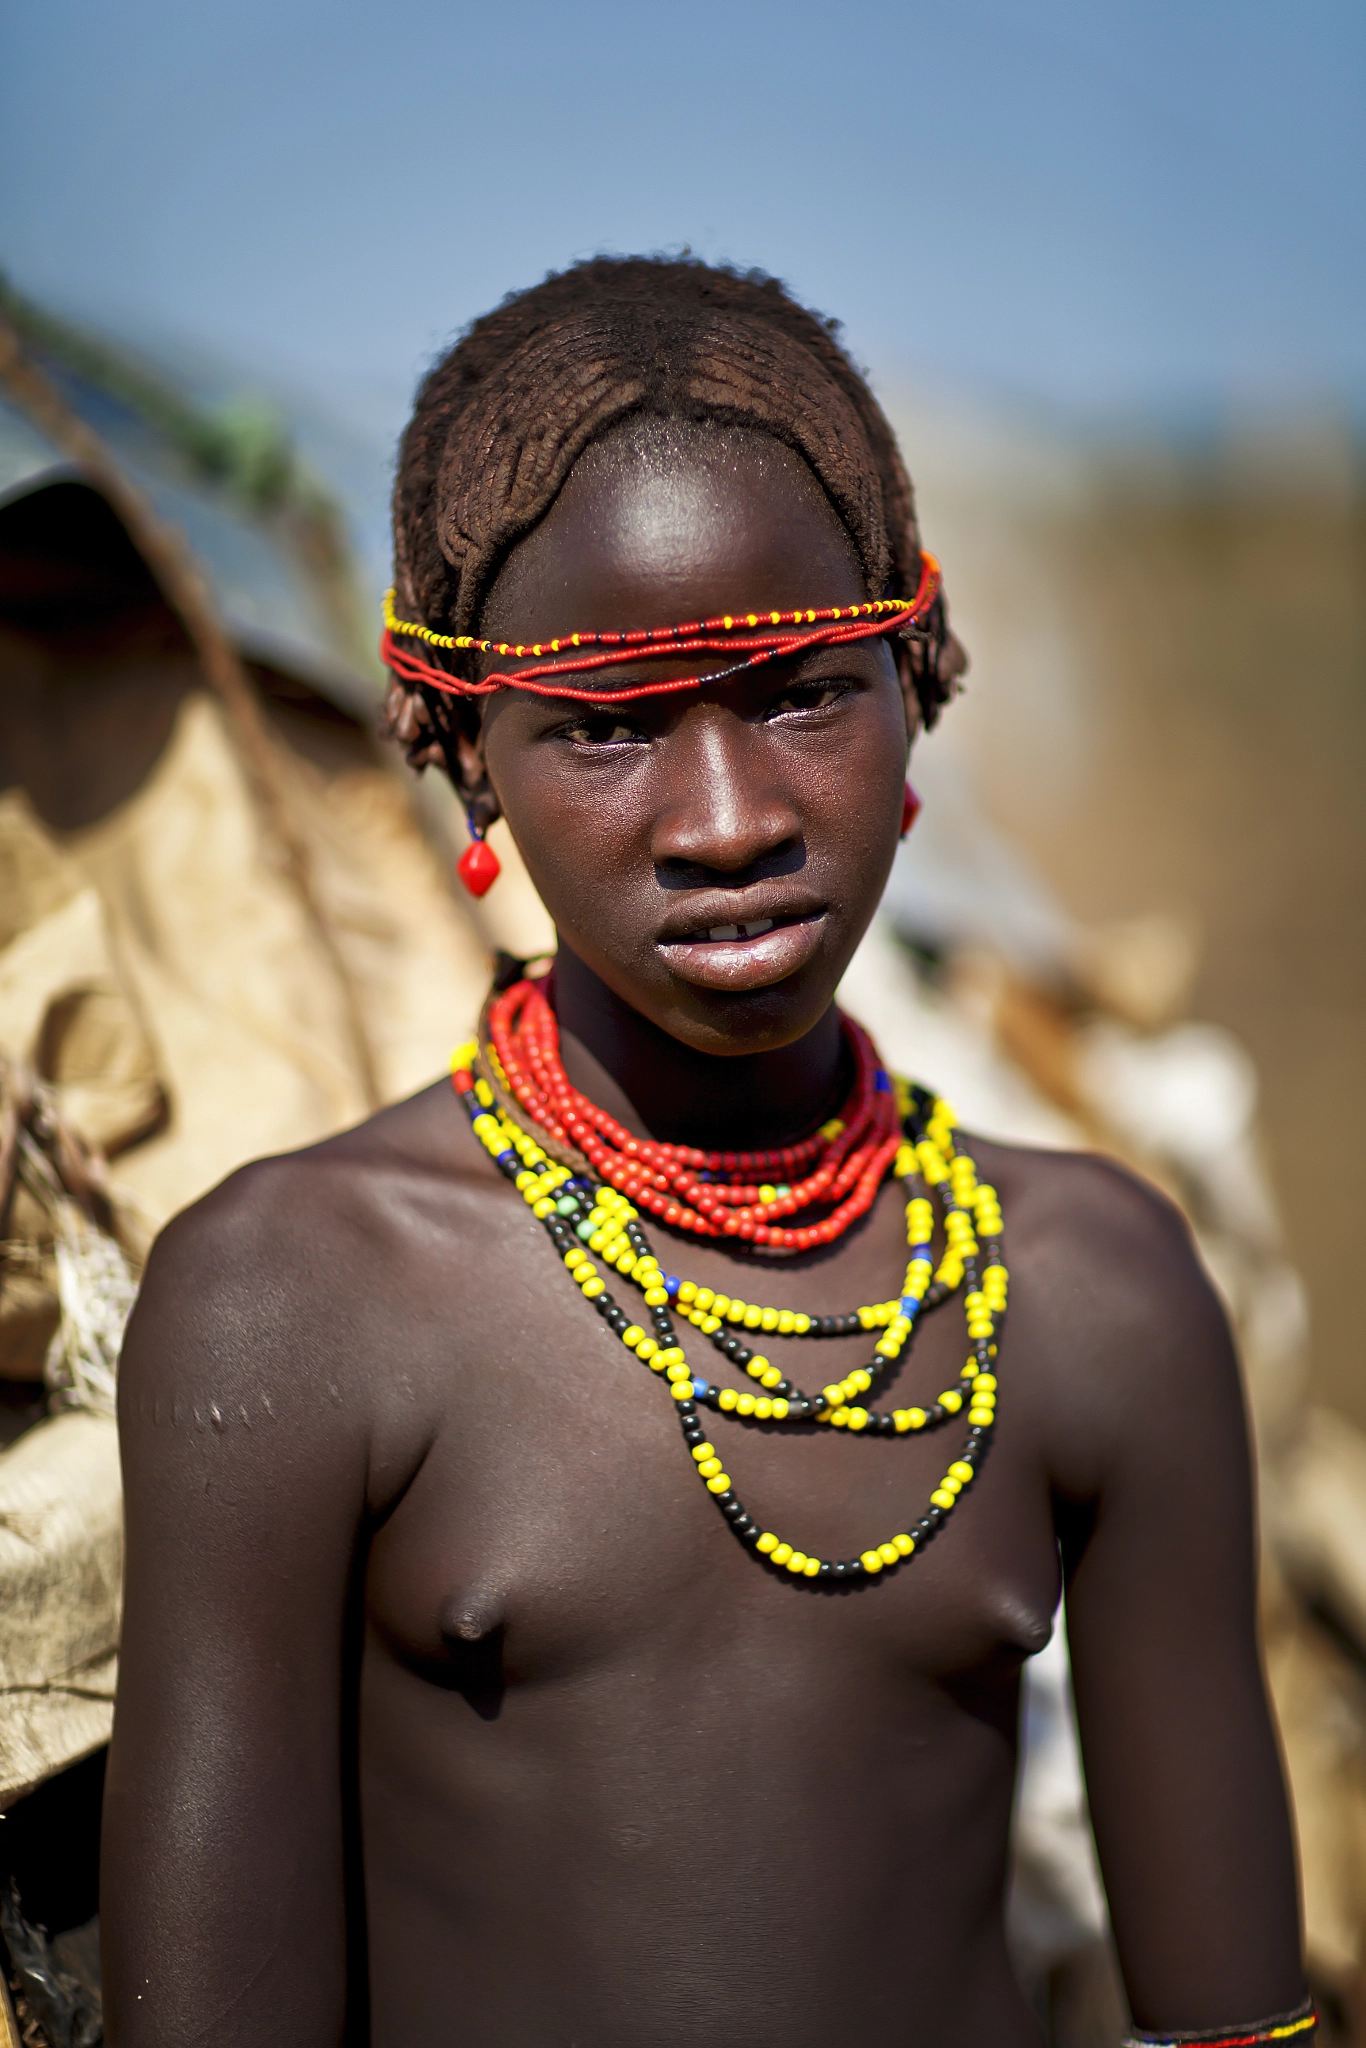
x=451 y=1711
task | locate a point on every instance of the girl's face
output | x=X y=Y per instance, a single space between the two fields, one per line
x=714 y=856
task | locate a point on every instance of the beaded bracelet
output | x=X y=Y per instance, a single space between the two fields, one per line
x=1298 y=2026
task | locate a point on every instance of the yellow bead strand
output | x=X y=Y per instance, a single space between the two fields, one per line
x=973 y=1208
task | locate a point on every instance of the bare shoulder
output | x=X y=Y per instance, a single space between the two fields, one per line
x=1113 y=1322
x=1061 y=1201
x=1088 y=1229
x=269 y=1243
x=279 y=1298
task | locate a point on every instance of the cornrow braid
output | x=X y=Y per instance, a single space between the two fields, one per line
x=502 y=417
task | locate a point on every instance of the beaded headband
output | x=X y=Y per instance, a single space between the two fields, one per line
x=757 y=636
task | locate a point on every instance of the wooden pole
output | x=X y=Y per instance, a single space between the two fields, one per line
x=9 y=2025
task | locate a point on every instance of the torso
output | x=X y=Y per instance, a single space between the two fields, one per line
x=572 y=1669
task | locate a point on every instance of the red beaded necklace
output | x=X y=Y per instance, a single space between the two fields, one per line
x=710 y=1194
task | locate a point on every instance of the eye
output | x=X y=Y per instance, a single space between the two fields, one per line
x=814 y=696
x=601 y=729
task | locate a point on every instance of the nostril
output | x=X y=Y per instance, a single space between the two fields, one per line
x=674 y=872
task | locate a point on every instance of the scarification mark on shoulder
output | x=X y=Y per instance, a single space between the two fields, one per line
x=160 y=1412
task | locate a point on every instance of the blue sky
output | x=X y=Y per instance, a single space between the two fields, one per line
x=1096 y=210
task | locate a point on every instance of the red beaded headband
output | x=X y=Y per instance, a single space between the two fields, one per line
x=760 y=636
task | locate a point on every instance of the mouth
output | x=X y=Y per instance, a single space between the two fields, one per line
x=715 y=934
x=750 y=954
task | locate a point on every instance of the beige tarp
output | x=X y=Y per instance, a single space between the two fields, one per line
x=61 y=1553
x=239 y=1001
x=159 y=973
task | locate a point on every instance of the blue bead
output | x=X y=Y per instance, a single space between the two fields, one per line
x=506 y=1158
x=882 y=1085
x=699 y=1387
x=671 y=1283
x=910 y=1306
x=920 y=1251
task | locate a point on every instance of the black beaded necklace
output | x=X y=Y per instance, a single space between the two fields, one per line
x=575 y=1211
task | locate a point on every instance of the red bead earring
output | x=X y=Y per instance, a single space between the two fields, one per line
x=910 y=810
x=478 y=866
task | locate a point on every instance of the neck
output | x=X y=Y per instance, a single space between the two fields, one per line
x=659 y=1088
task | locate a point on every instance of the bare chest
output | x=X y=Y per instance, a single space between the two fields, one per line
x=558 y=1510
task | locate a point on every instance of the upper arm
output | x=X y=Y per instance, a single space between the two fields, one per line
x=1155 y=1502
x=244 y=1454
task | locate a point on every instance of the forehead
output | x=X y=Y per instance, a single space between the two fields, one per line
x=666 y=520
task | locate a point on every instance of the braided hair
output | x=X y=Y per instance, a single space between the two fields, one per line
x=501 y=419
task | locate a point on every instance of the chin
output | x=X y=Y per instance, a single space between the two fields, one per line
x=733 y=1024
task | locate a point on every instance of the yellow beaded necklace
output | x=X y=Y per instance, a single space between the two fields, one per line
x=582 y=1219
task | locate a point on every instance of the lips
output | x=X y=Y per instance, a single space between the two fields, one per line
x=749 y=954
x=718 y=932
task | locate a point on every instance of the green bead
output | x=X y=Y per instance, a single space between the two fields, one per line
x=585 y=1230
x=566 y=1205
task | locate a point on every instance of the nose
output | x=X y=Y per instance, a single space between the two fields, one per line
x=726 y=809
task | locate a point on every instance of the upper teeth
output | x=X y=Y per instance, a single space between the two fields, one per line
x=753 y=930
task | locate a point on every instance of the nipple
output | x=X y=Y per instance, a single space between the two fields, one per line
x=471 y=1617
x=472 y=1630
x=1022 y=1623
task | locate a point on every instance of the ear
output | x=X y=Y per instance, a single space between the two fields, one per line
x=954 y=661
x=445 y=736
x=916 y=654
x=469 y=770
x=910 y=701
x=406 y=719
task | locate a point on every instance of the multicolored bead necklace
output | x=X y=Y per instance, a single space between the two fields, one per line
x=583 y=1216
x=691 y=1189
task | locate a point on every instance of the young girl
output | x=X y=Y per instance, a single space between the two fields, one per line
x=585 y=1525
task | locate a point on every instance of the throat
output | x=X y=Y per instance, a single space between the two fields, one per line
x=660 y=1088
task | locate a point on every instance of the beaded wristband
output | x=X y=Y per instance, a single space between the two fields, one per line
x=1297 y=2026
